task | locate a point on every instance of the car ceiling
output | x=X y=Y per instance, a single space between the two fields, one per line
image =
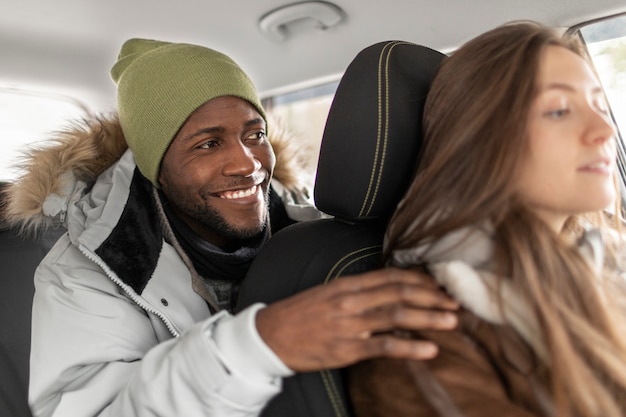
x=68 y=46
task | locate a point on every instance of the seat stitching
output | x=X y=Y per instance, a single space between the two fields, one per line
x=333 y=394
x=378 y=166
x=332 y=274
x=327 y=378
x=379 y=128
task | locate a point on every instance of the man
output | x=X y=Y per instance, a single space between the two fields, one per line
x=131 y=312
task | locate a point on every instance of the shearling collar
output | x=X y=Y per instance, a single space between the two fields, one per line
x=463 y=263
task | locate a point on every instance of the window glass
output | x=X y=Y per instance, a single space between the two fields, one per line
x=606 y=43
x=27 y=118
x=304 y=113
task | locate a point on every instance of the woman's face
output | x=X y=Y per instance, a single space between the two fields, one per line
x=571 y=159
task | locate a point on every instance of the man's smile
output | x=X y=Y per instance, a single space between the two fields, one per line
x=237 y=194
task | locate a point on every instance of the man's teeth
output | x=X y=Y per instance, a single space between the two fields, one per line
x=231 y=195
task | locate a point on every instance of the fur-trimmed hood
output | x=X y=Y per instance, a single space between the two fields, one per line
x=76 y=156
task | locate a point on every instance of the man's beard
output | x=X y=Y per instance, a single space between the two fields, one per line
x=212 y=219
x=209 y=217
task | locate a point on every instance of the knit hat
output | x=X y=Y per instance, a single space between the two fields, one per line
x=159 y=85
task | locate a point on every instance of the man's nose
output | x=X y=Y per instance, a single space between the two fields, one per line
x=240 y=160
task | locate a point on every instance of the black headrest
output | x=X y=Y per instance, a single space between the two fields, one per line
x=373 y=132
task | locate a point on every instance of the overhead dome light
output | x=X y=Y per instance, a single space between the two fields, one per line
x=274 y=25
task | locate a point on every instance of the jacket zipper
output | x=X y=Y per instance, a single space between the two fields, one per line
x=129 y=292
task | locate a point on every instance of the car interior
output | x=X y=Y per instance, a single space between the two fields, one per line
x=348 y=78
x=19 y=256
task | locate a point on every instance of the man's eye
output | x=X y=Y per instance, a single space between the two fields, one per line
x=257 y=136
x=209 y=144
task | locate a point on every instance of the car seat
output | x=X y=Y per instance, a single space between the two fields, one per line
x=19 y=256
x=368 y=157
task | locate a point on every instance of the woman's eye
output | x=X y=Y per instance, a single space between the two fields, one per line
x=602 y=106
x=557 y=113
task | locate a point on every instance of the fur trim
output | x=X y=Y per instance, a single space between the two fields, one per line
x=85 y=149
x=291 y=163
x=78 y=154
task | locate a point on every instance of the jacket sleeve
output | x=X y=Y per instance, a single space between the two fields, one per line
x=463 y=380
x=95 y=353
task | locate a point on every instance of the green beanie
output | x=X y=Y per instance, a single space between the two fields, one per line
x=159 y=85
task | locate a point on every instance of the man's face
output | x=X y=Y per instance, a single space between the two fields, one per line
x=216 y=171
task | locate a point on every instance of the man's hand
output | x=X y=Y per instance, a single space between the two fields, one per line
x=349 y=320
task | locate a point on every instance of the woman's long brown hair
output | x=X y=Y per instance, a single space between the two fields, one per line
x=475 y=138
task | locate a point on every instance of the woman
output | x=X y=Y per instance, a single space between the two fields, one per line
x=510 y=213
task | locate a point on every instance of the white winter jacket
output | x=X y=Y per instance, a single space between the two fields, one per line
x=117 y=328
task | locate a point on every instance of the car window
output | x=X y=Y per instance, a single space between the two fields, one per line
x=606 y=43
x=304 y=112
x=28 y=117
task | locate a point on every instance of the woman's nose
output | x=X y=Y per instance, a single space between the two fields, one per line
x=601 y=127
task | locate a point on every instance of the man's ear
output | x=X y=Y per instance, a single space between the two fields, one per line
x=160 y=180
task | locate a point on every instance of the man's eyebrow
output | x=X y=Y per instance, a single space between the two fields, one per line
x=204 y=131
x=254 y=122
x=219 y=129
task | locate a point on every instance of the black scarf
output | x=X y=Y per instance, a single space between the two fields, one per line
x=222 y=270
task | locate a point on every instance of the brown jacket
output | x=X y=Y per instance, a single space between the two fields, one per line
x=493 y=364
x=482 y=370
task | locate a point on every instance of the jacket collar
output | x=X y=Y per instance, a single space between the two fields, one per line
x=462 y=262
x=132 y=248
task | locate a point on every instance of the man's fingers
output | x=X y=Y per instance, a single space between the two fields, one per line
x=398 y=317
x=383 y=276
x=414 y=295
x=350 y=318
x=391 y=346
